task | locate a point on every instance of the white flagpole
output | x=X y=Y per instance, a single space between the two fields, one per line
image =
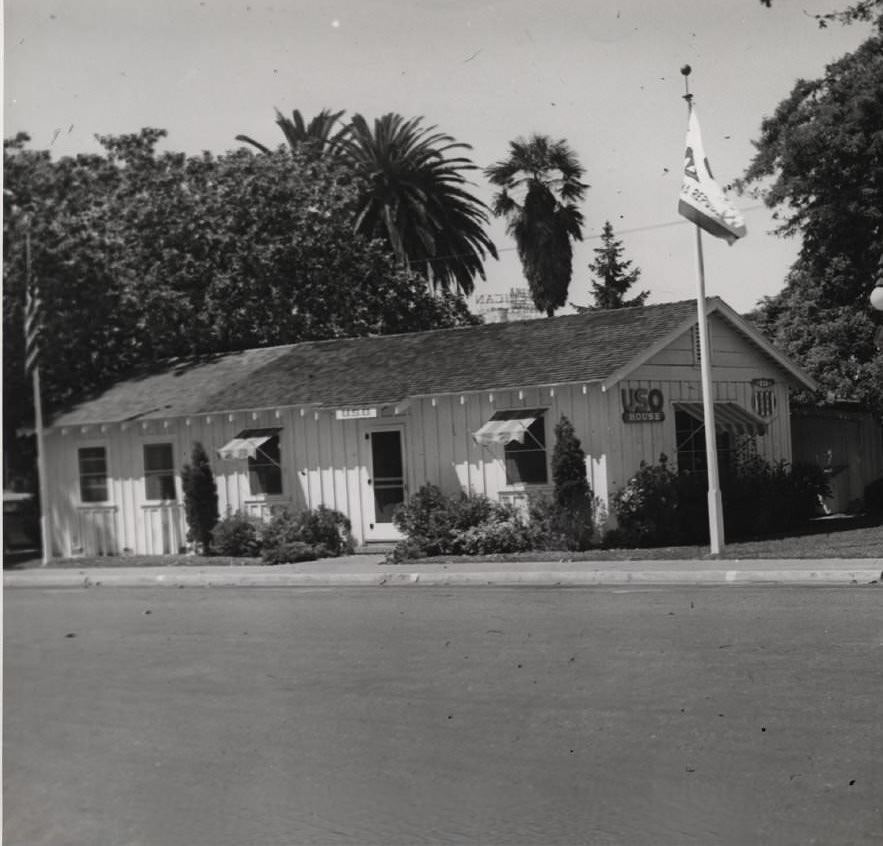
x=715 y=503
x=38 y=425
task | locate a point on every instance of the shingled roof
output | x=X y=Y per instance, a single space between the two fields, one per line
x=386 y=369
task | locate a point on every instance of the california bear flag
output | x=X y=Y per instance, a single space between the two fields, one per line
x=701 y=199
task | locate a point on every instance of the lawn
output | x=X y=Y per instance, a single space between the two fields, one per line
x=832 y=537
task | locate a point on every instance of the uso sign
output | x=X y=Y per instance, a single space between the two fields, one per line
x=642 y=405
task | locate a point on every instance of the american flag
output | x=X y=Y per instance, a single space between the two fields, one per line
x=33 y=326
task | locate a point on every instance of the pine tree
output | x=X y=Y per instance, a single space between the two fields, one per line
x=615 y=275
x=200 y=498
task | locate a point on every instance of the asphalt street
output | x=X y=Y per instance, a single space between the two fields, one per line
x=626 y=715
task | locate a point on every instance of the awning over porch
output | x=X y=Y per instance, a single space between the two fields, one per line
x=507 y=426
x=246 y=444
x=728 y=417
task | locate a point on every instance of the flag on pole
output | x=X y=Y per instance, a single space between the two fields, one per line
x=702 y=200
x=33 y=326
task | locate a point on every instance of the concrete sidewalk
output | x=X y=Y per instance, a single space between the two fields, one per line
x=371 y=571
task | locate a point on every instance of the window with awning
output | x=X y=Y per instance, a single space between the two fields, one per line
x=728 y=416
x=522 y=432
x=246 y=444
x=261 y=448
x=507 y=426
x=736 y=430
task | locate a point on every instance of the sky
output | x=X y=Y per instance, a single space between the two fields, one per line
x=604 y=76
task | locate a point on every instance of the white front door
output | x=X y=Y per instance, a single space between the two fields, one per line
x=385 y=482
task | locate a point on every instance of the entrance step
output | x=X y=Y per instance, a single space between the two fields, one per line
x=375 y=548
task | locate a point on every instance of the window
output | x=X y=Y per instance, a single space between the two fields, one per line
x=690 y=436
x=159 y=472
x=527 y=462
x=93 y=474
x=265 y=469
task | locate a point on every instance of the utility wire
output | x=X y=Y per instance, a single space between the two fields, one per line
x=617 y=232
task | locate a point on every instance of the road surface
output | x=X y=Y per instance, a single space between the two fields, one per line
x=158 y=717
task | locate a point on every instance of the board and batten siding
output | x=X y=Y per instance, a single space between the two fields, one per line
x=326 y=461
x=444 y=453
x=675 y=371
x=322 y=463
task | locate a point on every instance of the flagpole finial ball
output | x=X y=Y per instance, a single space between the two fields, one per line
x=686 y=70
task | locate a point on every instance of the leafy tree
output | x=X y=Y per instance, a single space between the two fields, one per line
x=864 y=10
x=143 y=256
x=200 y=499
x=819 y=164
x=413 y=194
x=615 y=275
x=547 y=177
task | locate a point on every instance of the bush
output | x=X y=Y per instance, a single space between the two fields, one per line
x=497 y=536
x=290 y=552
x=467 y=524
x=762 y=498
x=326 y=532
x=237 y=535
x=561 y=527
x=659 y=507
x=568 y=521
x=874 y=498
x=200 y=499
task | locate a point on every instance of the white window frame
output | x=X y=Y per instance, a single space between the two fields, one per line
x=545 y=450
x=169 y=442
x=268 y=462
x=80 y=475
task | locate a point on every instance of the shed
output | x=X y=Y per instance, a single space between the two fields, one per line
x=359 y=424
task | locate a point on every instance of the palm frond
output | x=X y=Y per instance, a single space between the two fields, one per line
x=246 y=140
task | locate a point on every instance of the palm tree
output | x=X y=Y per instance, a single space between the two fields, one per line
x=547 y=176
x=317 y=138
x=416 y=200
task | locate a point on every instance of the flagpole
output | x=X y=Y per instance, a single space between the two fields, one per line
x=38 y=424
x=715 y=503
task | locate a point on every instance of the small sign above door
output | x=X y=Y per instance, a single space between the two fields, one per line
x=354 y=413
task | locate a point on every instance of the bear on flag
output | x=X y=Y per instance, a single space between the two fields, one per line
x=701 y=199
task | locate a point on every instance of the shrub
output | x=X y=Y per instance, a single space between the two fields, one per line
x=568 y=522
x=324 y=531
x=497 y=536
x=649 y=511
x=762 y=498
x=290 y=552
x=569 y=467
x=237 y=535
x=659 y=507
x=874 y=498
x=405 y=550
x=467 y=524
x=327 y=529
x=200 y=499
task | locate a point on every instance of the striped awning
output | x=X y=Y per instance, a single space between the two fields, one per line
x=507 y=426
x=246 y=444
x=728 y=417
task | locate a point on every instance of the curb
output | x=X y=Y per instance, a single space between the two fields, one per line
x=502 y=578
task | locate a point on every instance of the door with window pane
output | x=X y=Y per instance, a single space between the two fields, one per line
x=386 y=482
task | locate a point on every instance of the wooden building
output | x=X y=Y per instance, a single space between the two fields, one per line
x=360 y=424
